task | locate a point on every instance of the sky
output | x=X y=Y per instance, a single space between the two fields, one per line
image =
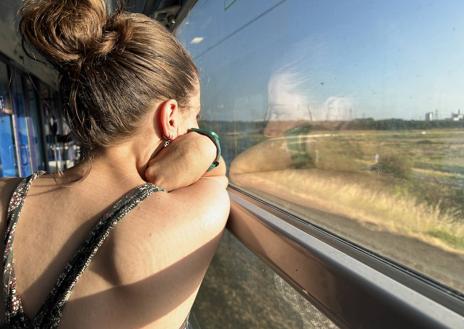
x=327 y=59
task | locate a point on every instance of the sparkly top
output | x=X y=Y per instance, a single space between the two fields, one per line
x=50 y=313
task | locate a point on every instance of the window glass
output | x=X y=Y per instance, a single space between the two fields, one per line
x=21 y=119
x=8 y=165
x=241 y=291
x=349 y=114
x=35 y=131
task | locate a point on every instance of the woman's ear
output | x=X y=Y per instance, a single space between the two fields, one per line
x=169 y=119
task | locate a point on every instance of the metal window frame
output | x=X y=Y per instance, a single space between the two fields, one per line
x=353 y=287
x=151 y=6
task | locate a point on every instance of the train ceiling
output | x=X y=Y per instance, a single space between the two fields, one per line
x=169 y=12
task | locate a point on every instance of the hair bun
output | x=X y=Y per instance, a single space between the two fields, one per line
x=115 y=34
x=70 y=32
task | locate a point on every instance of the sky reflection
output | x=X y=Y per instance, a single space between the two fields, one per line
x=328 y=59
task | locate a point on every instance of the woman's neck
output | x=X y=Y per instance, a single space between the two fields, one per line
x=122 y=164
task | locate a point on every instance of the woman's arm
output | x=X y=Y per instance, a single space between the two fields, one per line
x=184 y=162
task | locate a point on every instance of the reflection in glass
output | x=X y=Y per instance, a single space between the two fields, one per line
x=347 y=113
x=241 y=291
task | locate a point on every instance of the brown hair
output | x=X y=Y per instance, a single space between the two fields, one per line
x=112 y=67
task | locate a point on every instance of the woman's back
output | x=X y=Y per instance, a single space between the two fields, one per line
x=148 y=270
x=128 y=89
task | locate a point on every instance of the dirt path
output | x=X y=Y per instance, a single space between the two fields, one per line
x=442 y=265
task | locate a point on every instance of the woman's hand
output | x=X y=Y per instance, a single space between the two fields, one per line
x=183 y=162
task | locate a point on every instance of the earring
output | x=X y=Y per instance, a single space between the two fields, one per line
x=167 y=140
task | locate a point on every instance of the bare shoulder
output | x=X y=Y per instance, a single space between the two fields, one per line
x=11 y=182
x=7 y=186
x=208 y=195
x=203 y=205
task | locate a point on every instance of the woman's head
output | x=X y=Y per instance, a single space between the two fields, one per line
x=113 y=68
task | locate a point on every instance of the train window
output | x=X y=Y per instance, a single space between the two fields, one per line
x=349 y=114
x=8 y=165
x=250 y=294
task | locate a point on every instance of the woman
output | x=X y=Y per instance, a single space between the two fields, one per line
x=131 y=254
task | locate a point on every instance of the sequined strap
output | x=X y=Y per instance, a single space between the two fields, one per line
x=14 y=210
x=50 y=313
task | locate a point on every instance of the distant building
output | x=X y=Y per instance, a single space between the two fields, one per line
x=429 y=116
x=457 y=116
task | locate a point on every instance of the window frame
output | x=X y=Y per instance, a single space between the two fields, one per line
x=352 y=286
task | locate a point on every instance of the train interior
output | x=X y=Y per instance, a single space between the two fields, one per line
x=342 y=126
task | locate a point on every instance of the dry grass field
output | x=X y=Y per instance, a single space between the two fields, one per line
x=409 y=182
x=397 y=193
